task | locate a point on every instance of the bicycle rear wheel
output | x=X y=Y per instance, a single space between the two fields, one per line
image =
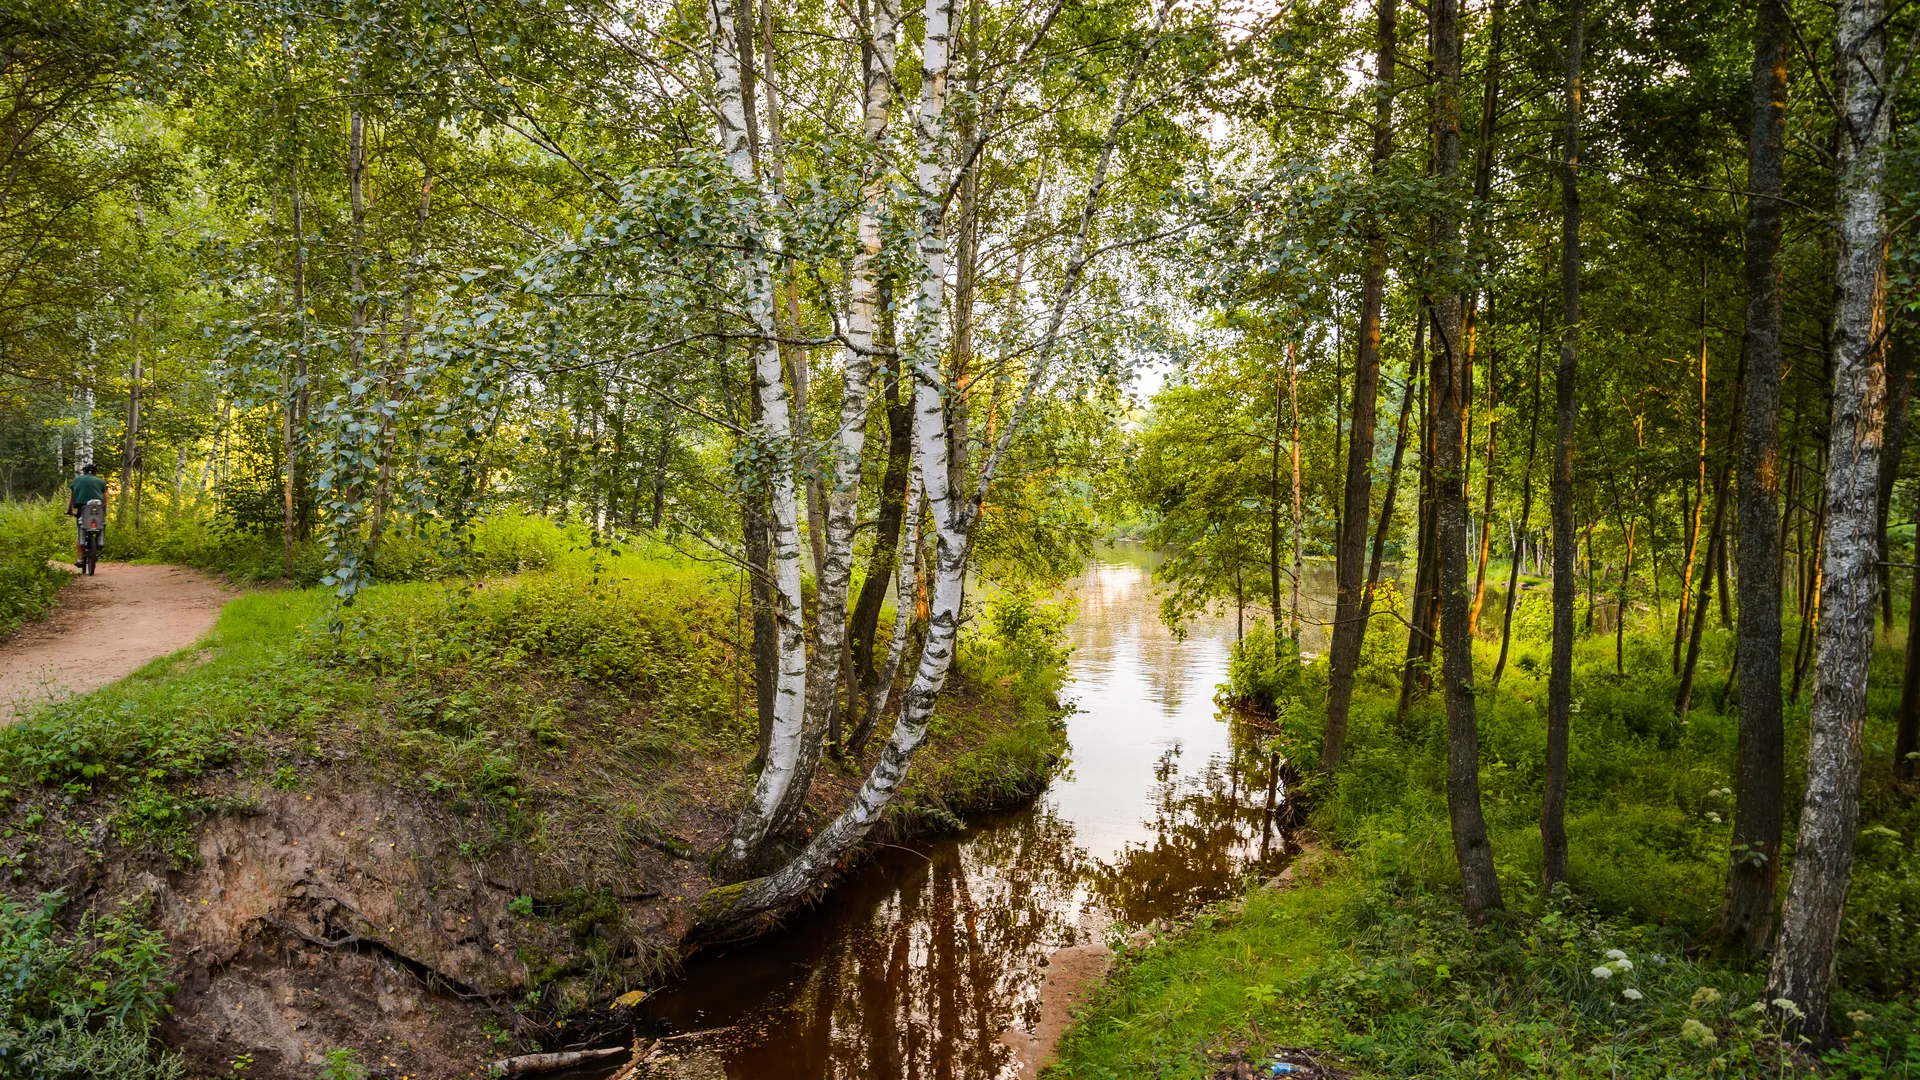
x=93 y=552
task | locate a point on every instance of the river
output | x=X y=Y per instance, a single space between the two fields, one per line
x=923 y=957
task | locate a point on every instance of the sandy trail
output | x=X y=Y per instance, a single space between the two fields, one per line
x=103 y=628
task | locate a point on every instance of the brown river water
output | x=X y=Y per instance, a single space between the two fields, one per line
x=920 y=960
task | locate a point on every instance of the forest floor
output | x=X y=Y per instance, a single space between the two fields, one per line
x=452 y=823
x=103 y=628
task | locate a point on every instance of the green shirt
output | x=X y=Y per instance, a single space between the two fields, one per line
x=86 y=488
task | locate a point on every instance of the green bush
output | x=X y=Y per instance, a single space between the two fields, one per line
x=78 y=1005
x=30 y=534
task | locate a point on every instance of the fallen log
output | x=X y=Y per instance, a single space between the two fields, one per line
x=534 y=1064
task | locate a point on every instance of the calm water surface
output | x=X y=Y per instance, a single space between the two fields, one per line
x=918 y=963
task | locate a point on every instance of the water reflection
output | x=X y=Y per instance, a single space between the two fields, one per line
x=926 y=956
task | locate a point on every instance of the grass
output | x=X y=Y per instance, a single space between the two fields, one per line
x=1370 y=958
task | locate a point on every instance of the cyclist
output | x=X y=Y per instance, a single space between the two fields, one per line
x=81 y=490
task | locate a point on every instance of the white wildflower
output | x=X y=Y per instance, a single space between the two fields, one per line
x=1615 y=954
x=1630 y=994
x=1602 y=972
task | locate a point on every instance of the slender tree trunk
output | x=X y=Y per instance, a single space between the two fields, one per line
x=1486 y=506
x=759 y=818
x=1906 y=740
x=892 y=513
x=1349 y=618
x=906 y=598
x=1802 y=970
x=1553 y=827
x=1273 y=505
x=1716 y=540
x=1810 y=583
x=1526 y=500
x=1699 y=487
x=1472 y=847
x=1393 y=486
x=1299 y=562
x=1899 y=351
x=1420 y=627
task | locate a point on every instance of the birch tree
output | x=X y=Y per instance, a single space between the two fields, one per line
x=1802 y=970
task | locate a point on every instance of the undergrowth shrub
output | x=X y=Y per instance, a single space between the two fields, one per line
x=31 y=532
x=78 y=1004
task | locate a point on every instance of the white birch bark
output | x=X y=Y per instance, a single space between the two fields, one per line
x=776 y=437
x=1802 y=970
x=836 y=568
x=750 y=907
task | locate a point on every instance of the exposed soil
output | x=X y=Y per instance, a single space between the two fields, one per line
x=1072 y=975
x=104 y=627
x=353 y=908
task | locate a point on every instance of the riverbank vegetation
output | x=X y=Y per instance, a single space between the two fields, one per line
x=1365 y=953
x=548 y=755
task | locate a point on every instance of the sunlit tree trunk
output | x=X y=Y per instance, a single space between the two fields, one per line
x=1553 y=808
x=1802 y=970
x=775 y=435
x=1349 y=619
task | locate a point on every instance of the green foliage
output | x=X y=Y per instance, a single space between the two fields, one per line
x=31 y=532
x=1264 y=671
x=339 y=1064
x=78 y=1003
x=1391 y=978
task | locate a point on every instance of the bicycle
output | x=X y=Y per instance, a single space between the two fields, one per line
x=93 y=526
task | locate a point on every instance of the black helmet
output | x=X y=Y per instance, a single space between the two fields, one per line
x=89 y=468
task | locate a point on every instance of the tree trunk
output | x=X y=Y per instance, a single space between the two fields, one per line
x=1526 y=500
x=1349 y=618
x=1479 y=887
x=893 y=504
x=1553 y=808
x=775 y=431
x=849 y=447
x=1299 y=562
x=1482 y=194
x=743 y=909
x=1899 y=353
x=1420 y=626
x=1486 y=507
x=1716 y=539
x=1906 y=740
x=1273 y=506
x=1802 y=970
x=906 y=598
x=1393 y=488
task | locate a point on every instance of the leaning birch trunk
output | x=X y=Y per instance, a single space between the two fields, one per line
x=836 y=567
x=1802 y=970
x=747 y=908
x=775 y=431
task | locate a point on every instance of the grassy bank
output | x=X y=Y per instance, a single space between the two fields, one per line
x=1368 y=958
x=497 y=793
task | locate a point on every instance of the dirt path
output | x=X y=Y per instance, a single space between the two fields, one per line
x=104 y=627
